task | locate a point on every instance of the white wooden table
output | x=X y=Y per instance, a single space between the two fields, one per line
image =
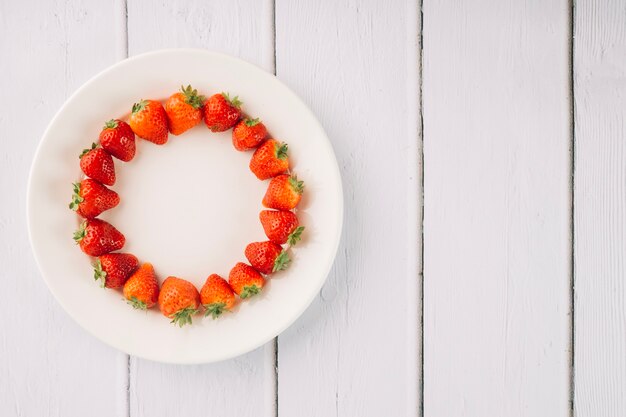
x=483 y=151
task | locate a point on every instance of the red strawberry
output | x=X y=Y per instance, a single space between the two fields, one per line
x=113 y=269
x=98 y=164
x=118 y=139
x=91 y=198
x=142 y=288
x=216 y=296
x=283 y=193
x=97 y=237
x=149 y=121
x=281 y=226
x=248 y=134
x=179 y=300
x=267 y=257
x=245 y=280
x=269 y=160
x=221 y=112
x=184 y=110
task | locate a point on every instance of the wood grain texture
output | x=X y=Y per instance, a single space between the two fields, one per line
x=600 y=209
x=354 y=352
x=497 y=236
x=243 y=386
x=48 y=365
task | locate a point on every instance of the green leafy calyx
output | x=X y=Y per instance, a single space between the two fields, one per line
x=80 y=233
x=86 y=151
x=191 y=97
x=137 y=107
x=281 y=262
x=137 y=304
x=249 y=291
x=252 y=122
x=296 y=186
x=98 y=273
x=111 y=124
x=76 y=198
x=295 y=236
x=235 y=102
x=183 y=316
x=281 y=151
x=214 y=309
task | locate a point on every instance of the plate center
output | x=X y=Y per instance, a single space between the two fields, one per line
x=190 y=206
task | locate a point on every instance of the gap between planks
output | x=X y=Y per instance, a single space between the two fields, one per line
x=572 y=11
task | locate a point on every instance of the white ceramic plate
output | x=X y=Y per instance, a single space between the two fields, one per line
x=189 y=207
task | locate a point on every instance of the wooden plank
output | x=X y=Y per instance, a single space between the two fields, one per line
x=497 y=235
x=600 y=205
x=355 y=351
x=48 y=365
x=243 y=386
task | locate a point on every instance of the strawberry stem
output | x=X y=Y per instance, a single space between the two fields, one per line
x=76 y=198
x=191 y=97
x=296 y=186
x=281 y=151
x=111 y=124
x=214 y=309
x=80 y=233
x=94 y=145
x=137 y=107
x=183 y=316
x=98 y=273
x=137 y=304
x=282 y=261
x=295 y=236
x=252 y=122
x=235 y=102
x=249 y=291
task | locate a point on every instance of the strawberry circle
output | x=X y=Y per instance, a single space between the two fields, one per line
x=151 y=120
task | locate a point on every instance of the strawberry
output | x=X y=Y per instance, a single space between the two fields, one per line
x=149 y=121
x=267 y=257
x=184 y=110
x=248 y=134
x=118 y=139
x=216 y=296
x=269 y=160
x=141 y=290
x=245 y=280
x=98 y=164
x=91 y=198
x=179 y=300
x=281 y=226
x=113 y=269
x=97 y=237
x=221 y=112
x=283 y=193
